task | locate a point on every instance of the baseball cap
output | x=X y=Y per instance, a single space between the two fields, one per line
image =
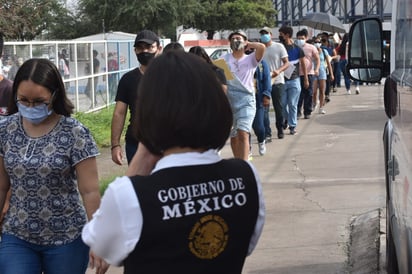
x=266 y=29
x=240 y=32
x=146 y=36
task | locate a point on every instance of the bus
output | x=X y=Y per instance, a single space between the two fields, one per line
x=367 y=52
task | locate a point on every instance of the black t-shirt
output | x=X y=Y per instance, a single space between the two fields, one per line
x=127 y=93
x=220 y=74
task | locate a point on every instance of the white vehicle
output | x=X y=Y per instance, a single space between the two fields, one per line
x=366 y=53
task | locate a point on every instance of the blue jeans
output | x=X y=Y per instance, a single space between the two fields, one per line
x=258 y=123
x=306 y=94
x=20 y=257
x=290 y=101
x=341 y=68
x=266 y=122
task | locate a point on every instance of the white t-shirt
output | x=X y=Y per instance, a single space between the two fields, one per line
x=273 y=56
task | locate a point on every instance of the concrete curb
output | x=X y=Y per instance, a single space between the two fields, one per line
x=366 y=252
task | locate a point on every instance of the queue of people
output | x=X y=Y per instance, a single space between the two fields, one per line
x=53 y=218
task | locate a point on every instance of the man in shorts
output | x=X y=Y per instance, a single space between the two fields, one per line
x=241 y=90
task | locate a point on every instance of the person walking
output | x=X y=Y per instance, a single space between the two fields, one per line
x=263 y=96
x=241 y=91
x=146 y=47
x=292 y=79
x=319 y=82
x=93 y=81
x=277 y=58
x=48 y=161
x=178 y=155
x=312 y=64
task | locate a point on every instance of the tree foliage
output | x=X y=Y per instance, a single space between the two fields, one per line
x=163 y=16
x=26 y=19
x=233 y=14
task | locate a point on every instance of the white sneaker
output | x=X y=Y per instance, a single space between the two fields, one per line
x=322 y=111
x=357 y=90
x=348 y=92
x=250 y=156
x=262 y=148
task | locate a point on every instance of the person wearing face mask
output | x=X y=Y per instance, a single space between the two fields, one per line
x=312 y=64
x=292 y=80
x=319 y=82
x=277 y=58
x=48 y=162
x=146 y=46
x=241 y=90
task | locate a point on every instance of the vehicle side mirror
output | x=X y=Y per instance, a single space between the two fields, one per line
x=365 y=50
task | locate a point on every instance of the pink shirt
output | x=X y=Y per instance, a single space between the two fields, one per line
x=310 y=57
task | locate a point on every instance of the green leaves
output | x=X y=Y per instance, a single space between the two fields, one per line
x=27 y=19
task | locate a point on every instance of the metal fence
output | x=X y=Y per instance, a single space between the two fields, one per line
x=89 y=87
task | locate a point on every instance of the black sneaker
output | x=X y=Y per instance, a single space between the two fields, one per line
x=292 y=130
x=268 y=139
x=280 y=134
x=285 y=124
x=307 y=116
x=327 y=99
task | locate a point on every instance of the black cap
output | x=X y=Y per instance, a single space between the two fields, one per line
x=146 y=36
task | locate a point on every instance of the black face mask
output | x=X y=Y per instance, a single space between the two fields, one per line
x=145 y=57
x=282 y=39
x=237 y=45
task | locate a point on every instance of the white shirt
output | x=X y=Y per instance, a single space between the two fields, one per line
x=116 y=226
x=273 y=56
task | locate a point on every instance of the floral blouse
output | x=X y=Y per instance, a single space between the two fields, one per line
x=45 y=205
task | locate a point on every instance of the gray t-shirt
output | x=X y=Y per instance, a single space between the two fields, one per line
x=273 y=56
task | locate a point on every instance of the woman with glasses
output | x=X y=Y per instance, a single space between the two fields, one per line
x=48 y=161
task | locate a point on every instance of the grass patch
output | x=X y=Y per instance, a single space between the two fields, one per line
x=103 y=183
x=99 y=123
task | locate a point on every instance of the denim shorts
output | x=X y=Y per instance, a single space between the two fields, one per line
x=21 y=257
x=322 y=74
x=244 y=109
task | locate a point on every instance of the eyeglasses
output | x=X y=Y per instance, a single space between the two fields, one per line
x=34 y=103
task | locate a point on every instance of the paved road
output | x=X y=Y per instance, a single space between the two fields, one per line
x=315 y=185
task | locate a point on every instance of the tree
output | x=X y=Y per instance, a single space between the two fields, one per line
x=26 y=19
x=161 y=16
x=233 y=14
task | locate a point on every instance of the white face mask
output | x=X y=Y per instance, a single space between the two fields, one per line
x=299 y=42
x=318 y=45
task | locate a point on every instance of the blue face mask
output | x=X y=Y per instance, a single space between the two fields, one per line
x=265 y=38
x=36 y=114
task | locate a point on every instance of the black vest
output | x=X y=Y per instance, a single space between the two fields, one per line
x=196 y=219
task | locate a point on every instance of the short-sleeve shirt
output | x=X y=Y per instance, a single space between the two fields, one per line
x=273 y=56
x=310 y=52
x=294 y=53
x=244 y=68
x=45 y=205
x=127 y=93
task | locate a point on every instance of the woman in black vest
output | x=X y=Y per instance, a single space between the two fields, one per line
x=182 y=209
